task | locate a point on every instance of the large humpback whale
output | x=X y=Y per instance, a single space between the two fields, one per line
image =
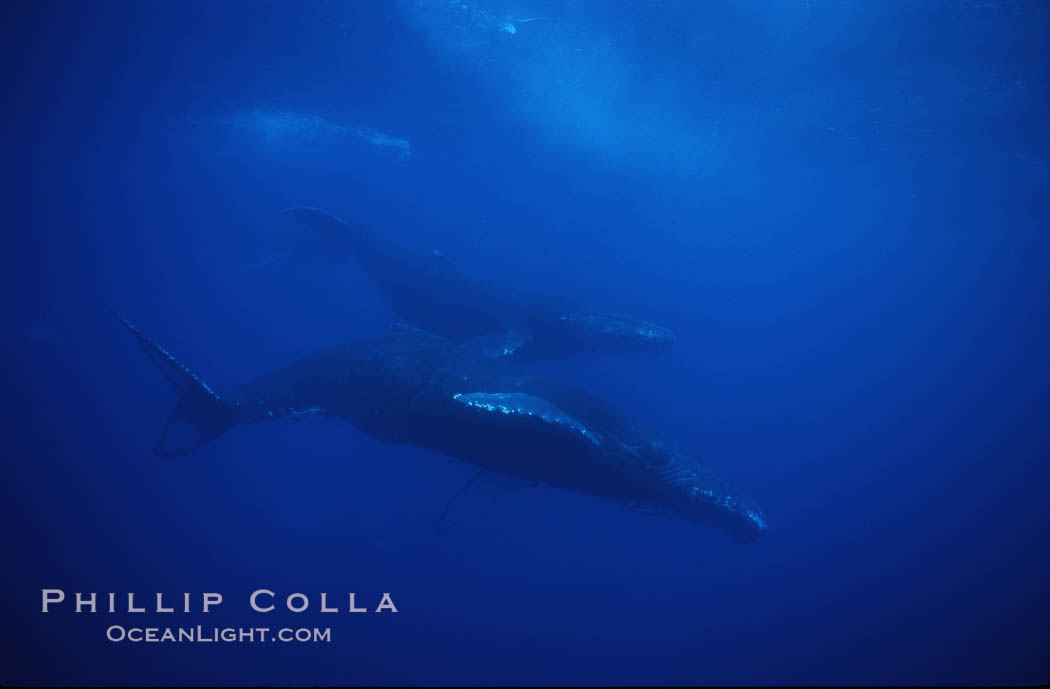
x=418 y=388
x=428 y=291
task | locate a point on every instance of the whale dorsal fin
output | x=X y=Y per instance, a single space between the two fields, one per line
x=499 y=346
x=339 y=235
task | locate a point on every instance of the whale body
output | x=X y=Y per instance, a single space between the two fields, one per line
x=429 y=291
x=419 y=388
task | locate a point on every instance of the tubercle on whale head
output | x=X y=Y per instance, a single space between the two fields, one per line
x=734 y=514
x=697 y=495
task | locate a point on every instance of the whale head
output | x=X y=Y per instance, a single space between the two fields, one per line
x=691 y=491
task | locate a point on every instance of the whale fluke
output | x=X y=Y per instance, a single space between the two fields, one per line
x=200 y=406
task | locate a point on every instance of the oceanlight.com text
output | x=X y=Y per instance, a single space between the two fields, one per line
x=200 y=634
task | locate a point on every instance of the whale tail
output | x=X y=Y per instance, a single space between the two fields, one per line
x=205 y=413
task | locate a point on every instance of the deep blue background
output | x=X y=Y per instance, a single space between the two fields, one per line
x=841 y=208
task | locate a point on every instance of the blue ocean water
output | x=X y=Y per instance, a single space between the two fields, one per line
x=840 y=208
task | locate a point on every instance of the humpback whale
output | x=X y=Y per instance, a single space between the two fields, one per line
x=415 y=387
x=428 y=291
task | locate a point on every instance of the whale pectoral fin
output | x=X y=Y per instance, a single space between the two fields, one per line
x=527 y=408
x=442 y=522
x=482 y=491
x=499 y=346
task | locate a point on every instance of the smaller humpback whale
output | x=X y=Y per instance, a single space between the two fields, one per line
x=428 y=291
x=418 y=388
